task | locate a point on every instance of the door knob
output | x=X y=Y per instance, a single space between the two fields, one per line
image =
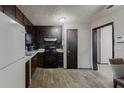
x=68 y=51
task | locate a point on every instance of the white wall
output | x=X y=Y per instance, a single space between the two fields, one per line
x=118 y=19
x=106 y=44
x=83 y=44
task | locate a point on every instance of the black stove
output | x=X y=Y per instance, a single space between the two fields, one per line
x=50 y=58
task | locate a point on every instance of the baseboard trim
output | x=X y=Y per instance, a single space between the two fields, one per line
x=85 y=68
x=103 y=63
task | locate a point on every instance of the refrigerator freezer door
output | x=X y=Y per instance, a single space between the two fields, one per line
x=12 y=41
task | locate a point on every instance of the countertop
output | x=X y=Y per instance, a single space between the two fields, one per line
x=59 y=50
x=31 y=54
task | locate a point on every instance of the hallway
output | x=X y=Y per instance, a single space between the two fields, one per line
x=70 y=78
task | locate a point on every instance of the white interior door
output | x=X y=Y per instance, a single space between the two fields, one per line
x=106 y=44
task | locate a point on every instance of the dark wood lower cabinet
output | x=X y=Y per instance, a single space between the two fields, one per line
x=27 y=74
x=40 y=59
x=36 y=61
x=60 y=59
x=30 y=68
x=34 y=64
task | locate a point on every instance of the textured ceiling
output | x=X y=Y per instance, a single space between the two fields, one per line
x=49 y=14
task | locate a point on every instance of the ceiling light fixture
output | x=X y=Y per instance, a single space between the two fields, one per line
x=62 y=19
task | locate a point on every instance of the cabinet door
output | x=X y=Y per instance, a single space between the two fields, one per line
x=28 y=25
x=60 y=59
x=27 y=22
x=1 y=8
x=40 y=60
x=33 y=65
x=19 y=16
x=10 y=10
x=27 y=74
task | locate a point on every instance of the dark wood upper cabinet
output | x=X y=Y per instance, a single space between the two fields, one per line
x=19 y=16
x=42 y=32
x=28 y=25
x=1 y=8
x=26 y=22
x=15 y=13
x=10 y=10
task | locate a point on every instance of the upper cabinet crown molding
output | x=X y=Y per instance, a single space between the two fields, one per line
x=10 y=10
x=26 y=22
x=15 y=13
x=19 y=16
x=1 y=8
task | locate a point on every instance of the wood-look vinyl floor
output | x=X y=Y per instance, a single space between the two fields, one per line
x=72 y=78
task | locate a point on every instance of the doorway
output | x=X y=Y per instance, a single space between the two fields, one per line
x=102 y=44
x=72 y=35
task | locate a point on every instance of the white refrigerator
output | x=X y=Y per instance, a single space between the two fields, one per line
x=12 y=53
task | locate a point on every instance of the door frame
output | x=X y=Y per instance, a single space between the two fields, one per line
x=67 y=48
x=94 y=44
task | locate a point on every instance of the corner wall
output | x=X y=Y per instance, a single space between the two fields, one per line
x=118 y=19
